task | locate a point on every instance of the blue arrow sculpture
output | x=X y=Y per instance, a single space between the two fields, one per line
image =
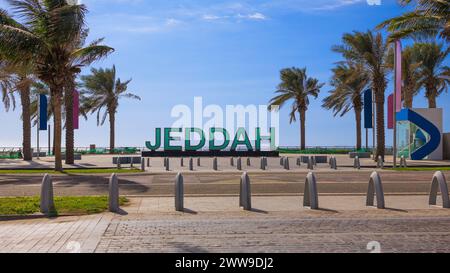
x=427 y=126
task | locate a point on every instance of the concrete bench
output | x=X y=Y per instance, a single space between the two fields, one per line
x=360 y=154
x=41 y=154
x=127 y=160
x=320 y=159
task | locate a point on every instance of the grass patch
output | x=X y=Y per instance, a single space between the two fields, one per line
x=12 y=206
x=418 y=169
x=72 y=171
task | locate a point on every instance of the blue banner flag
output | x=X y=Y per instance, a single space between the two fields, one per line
x=368 y=109
x=43 y=112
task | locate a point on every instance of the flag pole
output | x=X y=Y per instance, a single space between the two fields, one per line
x=373 y=125
x=38 y=124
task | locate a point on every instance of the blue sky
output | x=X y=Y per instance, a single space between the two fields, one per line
x=228 y=52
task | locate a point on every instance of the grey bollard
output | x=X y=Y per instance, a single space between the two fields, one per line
x=118 y=163
x=357 y=163
x=182 y=162
x=310 y=163
x=375 y=188
x=131 y=164
x=299 y=161
x=113 y=200
x=143 y=164
x=232 y=162
x=266 y=162
x=249 y=163
x=380 y=162
x=47 y=204
x=165 y=161
x=281 y=161
x=310 y=196
x=286 y=164
x=167 y=164
x=245 y=195
x=314 y=160
x=263 y=164
x=403 y=163
x=333 y=163
x=191 y=164
x=239 y=164
x=198 y=162
x=148 y=162
x=439 y=182
x=179 y=192
x=215 y=165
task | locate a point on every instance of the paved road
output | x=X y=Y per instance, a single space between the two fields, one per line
x=219 y=183
x=295 y=231
x=280 y=234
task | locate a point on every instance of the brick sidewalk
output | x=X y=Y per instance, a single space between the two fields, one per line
x=278 y=224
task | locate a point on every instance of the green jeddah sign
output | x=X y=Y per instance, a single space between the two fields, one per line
x=241 y=138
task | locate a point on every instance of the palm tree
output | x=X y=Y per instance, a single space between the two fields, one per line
x=82 y=56
x=371 y=52
x=6 y=86
x=17 y=78
x=349 y=81
x=44 y=36
x=430 y=18
x=102 y=91
x=411 y=74
x=297 y=86
x=434 y=74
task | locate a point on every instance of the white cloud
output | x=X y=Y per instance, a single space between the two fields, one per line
x=257 y=16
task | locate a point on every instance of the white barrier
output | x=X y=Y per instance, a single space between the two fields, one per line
x=286 y=164
x=215 y=165
x=375 y=188
x=245 y=195
x=310 y=163
x=47 y=204
x=380 y=162
x=357 y=163
x=403 y=163
x=191 y=164
x=143 y=164
x=167 y=164
x=439 y=182
x=179 y=192
x=310 y=195
x=113 y=199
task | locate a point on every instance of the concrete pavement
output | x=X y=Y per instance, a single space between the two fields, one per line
x=211 y=224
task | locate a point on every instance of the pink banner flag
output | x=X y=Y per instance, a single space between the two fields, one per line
x=391 y=111
x=76 y=110
x=398 y=76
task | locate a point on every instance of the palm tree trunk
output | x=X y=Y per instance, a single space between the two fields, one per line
x=112 y=131
x=56 y=97
x=431 y=96
x=24 y=89
x=358 y=128
x=68 y=101
x=302 y=129
x=380 y=100
x=408 y=103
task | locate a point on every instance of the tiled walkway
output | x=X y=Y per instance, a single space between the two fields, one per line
x=212 y=224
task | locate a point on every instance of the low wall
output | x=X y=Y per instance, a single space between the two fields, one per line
x=446 y=150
